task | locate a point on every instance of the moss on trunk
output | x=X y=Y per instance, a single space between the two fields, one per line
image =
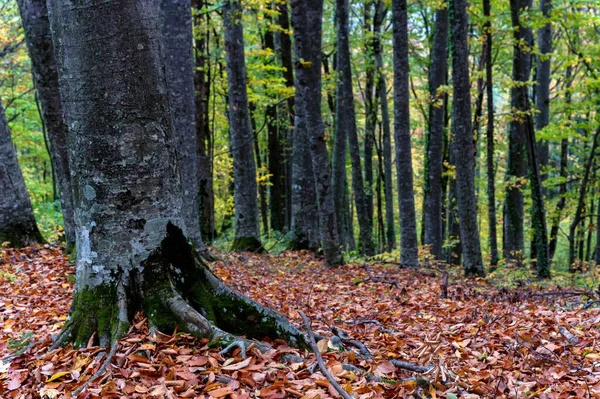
x=175 y=289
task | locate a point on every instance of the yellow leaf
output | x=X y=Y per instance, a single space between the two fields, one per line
x=322 y=346
x=58 y=375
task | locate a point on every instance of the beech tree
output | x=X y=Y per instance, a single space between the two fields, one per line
x=17 y=222
x=34 y=17
x=409 y=251
x=307 y=22
x=435 y=132
x=462 y=142
x=247 y=229
x=176 y=22
x=132 y=253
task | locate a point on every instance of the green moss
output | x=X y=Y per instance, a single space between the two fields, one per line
x=250 y=244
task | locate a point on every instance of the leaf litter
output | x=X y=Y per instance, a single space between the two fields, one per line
x=479 y=342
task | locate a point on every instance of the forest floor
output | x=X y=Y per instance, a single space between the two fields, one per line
x=481 y=341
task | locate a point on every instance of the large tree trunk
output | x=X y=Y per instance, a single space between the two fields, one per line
x=131 y=254
x=307 y=23
x=34 y=17
x=206 y=200
x=247 y=229
x=433 y=166
x=463 y=142
x=409 y=249
x=491 y=170
x=542 y=88
x=17 y=222
x=347 y=124
x=380 y=12
x=177 y=41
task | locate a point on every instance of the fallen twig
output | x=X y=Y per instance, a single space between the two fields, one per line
x=322 y=367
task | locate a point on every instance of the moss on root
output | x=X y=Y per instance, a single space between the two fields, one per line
x=95 y=310
x=249 y=244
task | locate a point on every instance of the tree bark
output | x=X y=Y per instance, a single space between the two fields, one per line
x=17 y=222
x=409 y=249
x=597 y=251
x=347 y=124
x=542 y=88
x=491 y=170
x=285 y=49
x=176 y=23
x=380 y=12
x=206 y=201
x=463 y=142
x=131 y=254
x=34 y=17
x=247 y=229
x=433 y=166
x=371 y=105
x=307 y=23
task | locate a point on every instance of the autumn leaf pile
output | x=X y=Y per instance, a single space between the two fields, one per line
x=478 y=342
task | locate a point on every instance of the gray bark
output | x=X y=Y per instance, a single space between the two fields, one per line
x=347 y=124
x=202 y=81
x=463 y=142
x=385 y=122
x=307 y=23
x=131 y=255
x=34 y=17
x=433 y=164
x=597 y=252
x=517 y=152
x=17 y=222
x=247 y=230
x=409 y=250
x=542 y=88
x=176 y=22
x=491 y=173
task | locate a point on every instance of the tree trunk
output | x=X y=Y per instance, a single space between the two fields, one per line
x=128 y=198
x=262 y=188
x=285 y=49
x=347 y=124
x=380 y=12
x=433 y=166
x=307 y=23
x=597 y=252
x=491 y=172
x=177 y=40
x=409 y=249
x=581 y=201
x=206 y=200
x=370 y=100
x=17 y=222
x=463 y=142
x=513 y=207
x=34 y=17
x=542 y=88
x=247 y=229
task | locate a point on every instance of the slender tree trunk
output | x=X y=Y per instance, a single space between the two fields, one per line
x=491 y=170
x=463 y=142
x=542 y=88
x=513 y=207
x=347 y=124
x=348 y=237
x=131 y=255
x=262 y=189
x=247 y=229
x=285 y=49
x=432 y=226
x=370 y=99
x=17 y=222
x=380 y=12
x=206 y=201
x=34 y=17
x=588 y=244
x=581 y=201
x=177 y=39
x=409 y=250
x=307 y=22
x=597 y=252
